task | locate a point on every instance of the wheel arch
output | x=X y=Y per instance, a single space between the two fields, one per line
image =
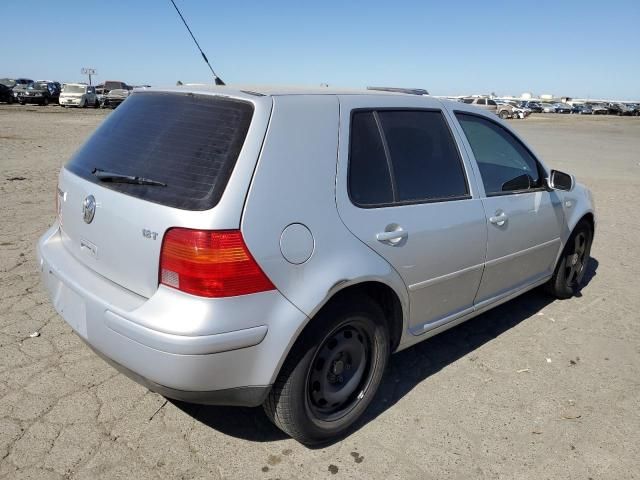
x=382 y=294
x=394 y=305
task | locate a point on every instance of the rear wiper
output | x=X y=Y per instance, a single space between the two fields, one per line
x=105 y=176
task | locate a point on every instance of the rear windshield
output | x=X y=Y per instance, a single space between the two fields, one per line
x=189 y=142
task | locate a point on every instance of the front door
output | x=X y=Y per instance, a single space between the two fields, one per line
x=406 y=195
x=524 y=219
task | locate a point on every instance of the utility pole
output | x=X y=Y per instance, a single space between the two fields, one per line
x=88 y=71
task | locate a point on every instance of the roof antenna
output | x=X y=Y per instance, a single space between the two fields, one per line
x=218 y=80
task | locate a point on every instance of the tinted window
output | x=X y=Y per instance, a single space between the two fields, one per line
x=426 y=164
x=189 y=142
x=505 y=164
x=481 y=101
x=369 y=178
x=468 y=100
x=491 y=102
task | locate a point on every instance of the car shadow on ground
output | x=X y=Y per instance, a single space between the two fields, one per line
x=405 y=370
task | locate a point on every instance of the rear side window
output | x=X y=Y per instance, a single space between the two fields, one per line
x=426 y=164
x=405 y=157
x=190 y=142
x=369 y=175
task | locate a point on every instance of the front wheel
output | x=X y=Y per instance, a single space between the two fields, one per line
x=504 y=114
x=332 y=372
x=569 y=273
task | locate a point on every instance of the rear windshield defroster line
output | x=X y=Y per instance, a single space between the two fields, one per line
x=190 y=142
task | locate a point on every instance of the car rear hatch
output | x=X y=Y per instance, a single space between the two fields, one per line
x=163 y=159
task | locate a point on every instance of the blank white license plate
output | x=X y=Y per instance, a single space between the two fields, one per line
x=72 y=308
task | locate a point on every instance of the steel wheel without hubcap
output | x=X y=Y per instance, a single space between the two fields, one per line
x=332 y=372
x=339 y=372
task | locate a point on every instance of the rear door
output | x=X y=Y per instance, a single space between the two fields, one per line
x=524 y=219
x=192 y=145
x=404 y=191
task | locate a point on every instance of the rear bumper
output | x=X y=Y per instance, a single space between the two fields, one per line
x=175 y=344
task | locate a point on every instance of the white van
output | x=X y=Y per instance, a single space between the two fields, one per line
x=78 y=95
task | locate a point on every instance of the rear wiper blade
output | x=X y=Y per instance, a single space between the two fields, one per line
x=105 y=176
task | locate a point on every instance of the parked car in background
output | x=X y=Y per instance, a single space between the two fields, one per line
x=78 y=95
x=504 y=110
x=548 y=108
x=42 y=93
x=582 y=109
x=6 y=91
x=18 y=91
x=563 y=108
x=106 y=87
x=619 y=109
x=519 y=112
x=190 y=283
x=535 y=107
x=12 y=83
x=483 y=103
x=508 y=110
x=114 y=98
x=635 y=109
x=599 y=109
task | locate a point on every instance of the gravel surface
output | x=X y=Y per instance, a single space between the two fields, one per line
x=534 y=389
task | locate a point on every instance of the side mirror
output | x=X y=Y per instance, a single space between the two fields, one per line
x=560 y=181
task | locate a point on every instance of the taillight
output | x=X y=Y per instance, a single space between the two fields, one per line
x=210 y=263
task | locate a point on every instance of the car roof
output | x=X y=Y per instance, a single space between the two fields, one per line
x=271 y=91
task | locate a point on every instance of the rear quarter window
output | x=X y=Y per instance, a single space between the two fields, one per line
x=190 y=142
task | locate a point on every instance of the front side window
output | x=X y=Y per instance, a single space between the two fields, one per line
x=401 y=157
x=481 y=101
x=504 y=163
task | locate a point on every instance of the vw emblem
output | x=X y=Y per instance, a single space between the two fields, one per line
x=89 y=208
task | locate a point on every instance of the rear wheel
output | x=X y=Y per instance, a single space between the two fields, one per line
x=569 y=274
x=332 y=372
x=504 y=114
x=96 y=104
x=45 y=102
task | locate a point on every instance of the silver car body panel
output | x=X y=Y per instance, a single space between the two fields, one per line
x=102 y=276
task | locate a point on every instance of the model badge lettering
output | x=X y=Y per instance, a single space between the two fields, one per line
x=149 y=234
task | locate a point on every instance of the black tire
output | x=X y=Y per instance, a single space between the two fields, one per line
x=45 y=102
x=341 y=356
x=504 y=114
x=572 y=265
x=96 y=104
x=21 y=102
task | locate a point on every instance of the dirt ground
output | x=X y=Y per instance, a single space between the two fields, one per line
x=536 y=389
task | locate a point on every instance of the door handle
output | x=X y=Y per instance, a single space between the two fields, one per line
x=500 y=219
x=392 y=237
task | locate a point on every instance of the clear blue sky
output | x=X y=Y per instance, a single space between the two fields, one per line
x=576 y=48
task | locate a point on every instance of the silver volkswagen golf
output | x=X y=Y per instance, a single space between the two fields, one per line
x=273 y=246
